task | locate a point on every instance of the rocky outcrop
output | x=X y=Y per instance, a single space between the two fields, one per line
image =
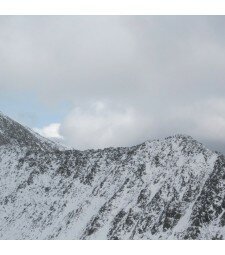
x=168 y=189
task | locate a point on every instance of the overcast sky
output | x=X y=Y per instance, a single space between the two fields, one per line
x=99 y=81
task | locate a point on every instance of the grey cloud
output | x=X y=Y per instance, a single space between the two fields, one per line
x=165 y=68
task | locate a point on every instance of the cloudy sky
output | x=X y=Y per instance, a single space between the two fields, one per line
x=99 y=81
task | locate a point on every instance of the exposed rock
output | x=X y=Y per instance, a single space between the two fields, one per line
x=169 y=189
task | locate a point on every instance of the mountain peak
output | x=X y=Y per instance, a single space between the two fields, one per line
x=172 y=188
x=177 y=140
x=12 y=132
x=182 y=136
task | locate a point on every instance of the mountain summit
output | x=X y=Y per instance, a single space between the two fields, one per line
x=162 y=189
x=13 y=133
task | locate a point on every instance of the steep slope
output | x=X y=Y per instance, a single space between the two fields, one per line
x=14 y=134
x=169 y=189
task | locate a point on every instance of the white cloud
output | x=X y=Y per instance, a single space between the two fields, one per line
x=100 y=125
x=50 y=131
x=204 y=120
x=162 y=72
x=103 y=124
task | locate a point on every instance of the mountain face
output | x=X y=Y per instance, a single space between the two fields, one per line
x=169 y=189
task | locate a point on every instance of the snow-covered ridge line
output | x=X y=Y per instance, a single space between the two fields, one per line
x=162 y=189
x=12 y=130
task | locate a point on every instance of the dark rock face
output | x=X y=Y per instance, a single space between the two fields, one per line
x=13 y=133
x=169 y=189
x=208 y=211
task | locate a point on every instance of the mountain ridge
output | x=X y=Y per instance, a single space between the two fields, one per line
x=161 y=189
x=13 y=132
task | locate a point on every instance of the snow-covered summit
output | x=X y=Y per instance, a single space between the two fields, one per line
x=13 y=133
x=162 y=189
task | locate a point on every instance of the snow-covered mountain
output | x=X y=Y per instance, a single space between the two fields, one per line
x=169 y=189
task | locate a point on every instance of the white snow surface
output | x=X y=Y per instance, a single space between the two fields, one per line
x=155 y=190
